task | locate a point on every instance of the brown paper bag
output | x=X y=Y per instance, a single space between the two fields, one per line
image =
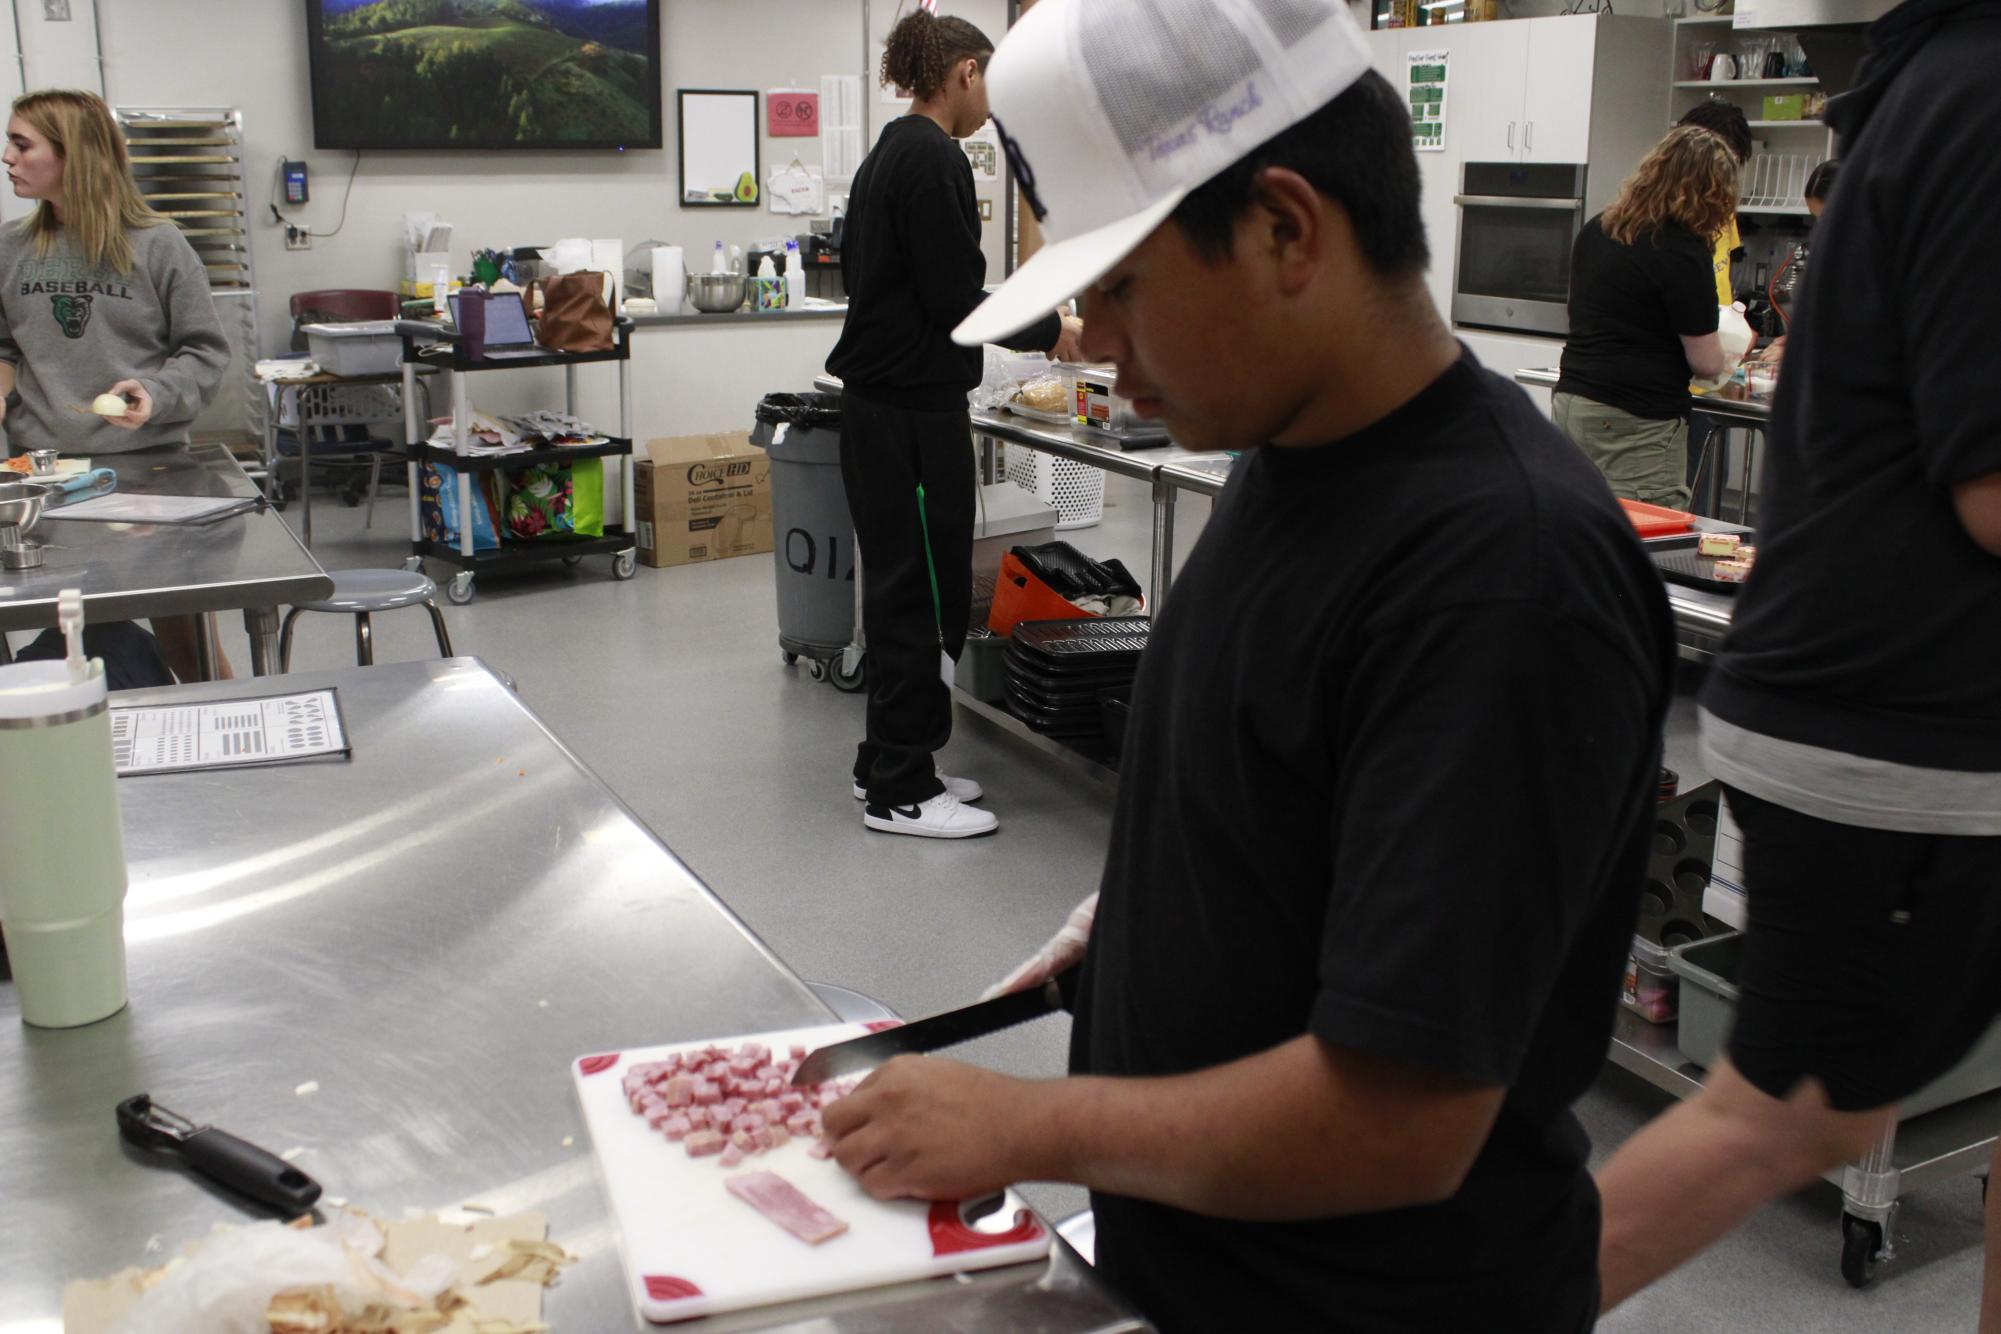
x=575 y=314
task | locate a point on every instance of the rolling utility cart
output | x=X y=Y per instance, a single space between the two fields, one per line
x=449 y=357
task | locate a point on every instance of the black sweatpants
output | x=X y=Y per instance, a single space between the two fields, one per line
x=132 y=659
x=886 y=454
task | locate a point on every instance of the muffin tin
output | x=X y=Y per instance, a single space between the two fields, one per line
x=1682 y=848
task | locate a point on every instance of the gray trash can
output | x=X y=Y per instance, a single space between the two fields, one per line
x=812 y=534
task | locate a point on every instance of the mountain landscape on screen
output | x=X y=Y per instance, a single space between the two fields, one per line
x=485 y=73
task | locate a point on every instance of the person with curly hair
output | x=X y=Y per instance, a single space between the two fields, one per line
x=914 y=269
x=1727 y=119
x=1643 y=315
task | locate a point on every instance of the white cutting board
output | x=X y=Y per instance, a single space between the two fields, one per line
x=690 y=1248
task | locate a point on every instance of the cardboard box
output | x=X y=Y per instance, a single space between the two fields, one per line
x=702 y=497
x=1785 y=106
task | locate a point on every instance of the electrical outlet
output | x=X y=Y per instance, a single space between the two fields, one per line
x=298 y=238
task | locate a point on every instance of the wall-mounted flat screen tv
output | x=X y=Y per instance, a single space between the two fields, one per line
x=485 y=73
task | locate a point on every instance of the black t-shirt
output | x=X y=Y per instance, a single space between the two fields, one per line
x=1873 y=624
x=1390 y=753
x=1630 y=306
x=911 y=260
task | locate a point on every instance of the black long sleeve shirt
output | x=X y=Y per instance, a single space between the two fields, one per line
x=914 y=269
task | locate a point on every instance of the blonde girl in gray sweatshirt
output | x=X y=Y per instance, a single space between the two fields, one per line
x=98 y=295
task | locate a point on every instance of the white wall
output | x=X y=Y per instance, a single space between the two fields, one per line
x=61 y=52
x=252 y=54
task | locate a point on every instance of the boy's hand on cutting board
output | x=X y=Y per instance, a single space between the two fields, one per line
x=929 y=1128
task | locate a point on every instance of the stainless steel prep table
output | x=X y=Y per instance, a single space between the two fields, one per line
x=248 y=561
x=1076 y=444
x=1080 y=444
x=431 y=932
x=1701 y=615
x=1732 y=406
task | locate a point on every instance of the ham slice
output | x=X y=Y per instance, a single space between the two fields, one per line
x=781 y=1201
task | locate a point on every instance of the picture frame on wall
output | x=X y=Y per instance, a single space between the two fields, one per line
x=720 y=150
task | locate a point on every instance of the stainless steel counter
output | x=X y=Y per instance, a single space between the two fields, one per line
x=430 y=933
x=1205 y=474
x=250 y=561
x=829 y=310
x=1733 y=402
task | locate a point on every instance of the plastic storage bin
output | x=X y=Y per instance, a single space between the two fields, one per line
x=1709 y=970
x=1652 y=989
x=363 y=347
x=981 y=671
x=1098 y=407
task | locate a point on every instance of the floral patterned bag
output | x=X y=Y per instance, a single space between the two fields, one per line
x=557 y=501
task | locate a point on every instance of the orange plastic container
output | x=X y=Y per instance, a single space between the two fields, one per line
x=1656 y=520
x=1020 y=596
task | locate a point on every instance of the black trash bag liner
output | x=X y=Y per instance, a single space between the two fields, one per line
x=1074 y=575
x=809 y=409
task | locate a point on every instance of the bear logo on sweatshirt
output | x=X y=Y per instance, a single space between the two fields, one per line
x=72 y=313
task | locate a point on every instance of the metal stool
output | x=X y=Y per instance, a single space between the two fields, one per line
x=360 y=592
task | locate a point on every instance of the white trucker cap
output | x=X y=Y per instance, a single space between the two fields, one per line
x=1112 y=111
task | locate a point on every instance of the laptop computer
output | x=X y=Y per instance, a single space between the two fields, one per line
x=508 y=333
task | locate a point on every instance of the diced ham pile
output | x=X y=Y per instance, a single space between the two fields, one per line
x=781 y=1202
x=730 y=1104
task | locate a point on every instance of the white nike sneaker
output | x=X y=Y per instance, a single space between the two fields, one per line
x=965 y=789
x=944 y=816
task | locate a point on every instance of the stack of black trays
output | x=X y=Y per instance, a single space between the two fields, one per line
x=1056 y=671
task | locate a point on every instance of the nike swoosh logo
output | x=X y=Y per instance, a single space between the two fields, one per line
x=909 y=812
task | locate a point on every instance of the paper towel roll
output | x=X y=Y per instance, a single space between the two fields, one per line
x=670 y=278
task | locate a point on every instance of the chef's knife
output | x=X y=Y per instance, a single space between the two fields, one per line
x=939 y=1031
x=218 y=1155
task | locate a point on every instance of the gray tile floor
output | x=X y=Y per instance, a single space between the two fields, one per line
x=670 y=687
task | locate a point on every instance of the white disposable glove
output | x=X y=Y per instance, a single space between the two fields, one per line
x=1063 y=949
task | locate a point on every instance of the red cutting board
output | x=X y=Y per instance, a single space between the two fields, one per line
x=1656 y=520
x=690 y=1248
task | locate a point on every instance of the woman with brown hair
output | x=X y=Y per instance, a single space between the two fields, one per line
x=99 y=294
x=914 y=269
x=1643 y=315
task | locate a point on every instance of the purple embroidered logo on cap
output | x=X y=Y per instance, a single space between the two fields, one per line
x=1213 y=118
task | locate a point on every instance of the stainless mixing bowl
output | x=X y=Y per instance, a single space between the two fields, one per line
x=715 y=293
x=21 y=503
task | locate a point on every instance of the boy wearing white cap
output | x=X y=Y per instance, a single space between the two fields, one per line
x=1380 y=833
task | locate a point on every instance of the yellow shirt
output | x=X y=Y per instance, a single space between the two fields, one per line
x=1726 y=241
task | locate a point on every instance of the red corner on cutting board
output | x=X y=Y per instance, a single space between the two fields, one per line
x=950 y=1235
x=594 y=1065
x=667 y=1288
x=878 y=1025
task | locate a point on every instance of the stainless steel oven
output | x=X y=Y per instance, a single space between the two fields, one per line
x=1517 y=224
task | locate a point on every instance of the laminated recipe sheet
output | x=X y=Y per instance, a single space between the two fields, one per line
x=165 y=738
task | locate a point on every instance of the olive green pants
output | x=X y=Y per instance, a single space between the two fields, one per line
x=1642 y=458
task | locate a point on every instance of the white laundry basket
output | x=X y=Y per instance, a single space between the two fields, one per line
x=1075 y=490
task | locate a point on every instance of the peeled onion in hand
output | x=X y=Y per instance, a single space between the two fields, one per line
x=109 y=405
